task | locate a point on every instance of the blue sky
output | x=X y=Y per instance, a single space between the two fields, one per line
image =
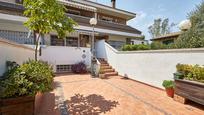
x=148 y=10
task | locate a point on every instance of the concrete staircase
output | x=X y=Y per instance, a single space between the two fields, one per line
x=106 y=69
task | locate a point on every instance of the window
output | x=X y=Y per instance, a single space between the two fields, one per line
x=75 y=12
x=116 y=44
x=63 y=68
x=107 y=19
x=55 y=41
x=84 y=41
x=69 y=41
x=168 y=41
x=128 y=41
x=72 y=41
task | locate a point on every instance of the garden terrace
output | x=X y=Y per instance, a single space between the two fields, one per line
x=81 y=94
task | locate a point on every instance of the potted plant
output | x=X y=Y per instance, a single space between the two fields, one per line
x=21 y=84
x=191 y=84
x=169 y=87
x=101 y=73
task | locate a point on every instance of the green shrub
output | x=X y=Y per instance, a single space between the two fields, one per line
x=135 y=47
x=168 y=84
x=185 y=69
x=171 y=46
x=157 y=45
x=127 y=48
x=190 y=72
x=27 y=80
x=153 y=46
x=143 y=47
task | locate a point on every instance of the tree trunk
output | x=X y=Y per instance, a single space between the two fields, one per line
x=36 y=47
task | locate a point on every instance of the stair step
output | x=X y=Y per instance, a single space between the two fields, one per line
x=101 y=59
x=106 y=67
x=108 y=70
x=111 y=74
x=104 y=64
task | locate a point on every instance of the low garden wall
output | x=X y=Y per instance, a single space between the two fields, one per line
x=60 y=55
x=152 y=66
x=10 y=51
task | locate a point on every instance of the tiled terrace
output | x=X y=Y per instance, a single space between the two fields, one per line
x=83 y=95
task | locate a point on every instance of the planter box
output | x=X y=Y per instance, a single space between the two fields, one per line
x=191 y=90
x=17 y=106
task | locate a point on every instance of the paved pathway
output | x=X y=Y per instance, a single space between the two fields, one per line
x=83 y=95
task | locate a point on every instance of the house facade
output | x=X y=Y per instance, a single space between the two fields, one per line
x=168 y=38
x=111 y=27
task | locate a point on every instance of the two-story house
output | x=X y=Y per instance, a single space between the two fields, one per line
x=112 y=25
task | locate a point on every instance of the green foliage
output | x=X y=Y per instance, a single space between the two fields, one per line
x=160 y=27
x=135 y=47
x=143 y=47
x=155 y=29
x=27 y=79
x=190 y=72
x=127 y=48
x=197 y=15
x=152 y=46
x=10 y=67
x=168 y=84
x=194 y=37
x=157 y=45
x=46 y=16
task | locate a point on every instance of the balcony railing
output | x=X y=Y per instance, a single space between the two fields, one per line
x=16 y=36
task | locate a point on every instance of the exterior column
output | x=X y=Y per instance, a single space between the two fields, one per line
x=65 y=43
x=96 y=15
x=78 y=33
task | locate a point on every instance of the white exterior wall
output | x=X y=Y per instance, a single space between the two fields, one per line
x=13 y=52
x=151 y=67
x=100 y=49
x=60 y=55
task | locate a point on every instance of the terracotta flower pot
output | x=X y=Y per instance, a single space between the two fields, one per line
x=170 y=92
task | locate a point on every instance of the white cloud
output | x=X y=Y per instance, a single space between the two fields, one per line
x=139 y=17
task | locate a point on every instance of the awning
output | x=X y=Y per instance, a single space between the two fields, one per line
x=77 y=5
x=84 y=32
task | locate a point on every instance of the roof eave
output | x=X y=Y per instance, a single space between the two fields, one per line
x=129 y=15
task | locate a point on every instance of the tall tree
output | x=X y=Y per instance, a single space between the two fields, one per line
x=194 y=37
x=165 y=26
x=160 y=27
x=155 y=28
x=45 y=16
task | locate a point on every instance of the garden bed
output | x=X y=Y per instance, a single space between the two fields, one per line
x=17 y=106
x=191 y=90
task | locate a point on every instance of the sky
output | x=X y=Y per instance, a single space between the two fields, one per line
x=148 y=10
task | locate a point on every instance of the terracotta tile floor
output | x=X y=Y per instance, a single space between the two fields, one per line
x=83 y=95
